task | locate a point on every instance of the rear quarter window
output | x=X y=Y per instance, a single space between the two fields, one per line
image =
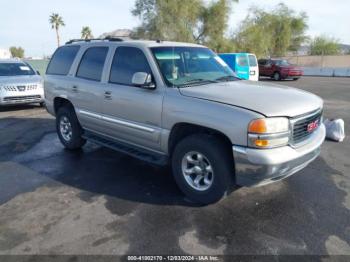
x=62 y=60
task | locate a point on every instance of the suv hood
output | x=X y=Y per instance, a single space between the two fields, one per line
x=267 y=99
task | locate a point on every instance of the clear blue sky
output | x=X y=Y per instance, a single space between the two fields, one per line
x=25 y=23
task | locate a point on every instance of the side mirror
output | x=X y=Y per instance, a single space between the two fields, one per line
x=143 y=80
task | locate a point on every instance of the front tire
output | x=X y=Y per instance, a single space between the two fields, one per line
x=68 y=129
x=203 y=168
x=277 y=76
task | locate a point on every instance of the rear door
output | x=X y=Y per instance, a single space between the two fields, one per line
x=253 y=68
x=86 y=90
x=269 y=68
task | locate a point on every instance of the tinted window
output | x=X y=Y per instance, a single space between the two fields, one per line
x=15 y=69
x=62 y=60
x=252 y=60
x=262 y=62
x=126 y=62
x=242 y=60
x=91 y=65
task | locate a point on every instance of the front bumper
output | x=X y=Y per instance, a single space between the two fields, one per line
x=256 y=167
x=14 y=98
x=295 y=74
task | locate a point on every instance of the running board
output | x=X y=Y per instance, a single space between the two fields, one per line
x=139 y=153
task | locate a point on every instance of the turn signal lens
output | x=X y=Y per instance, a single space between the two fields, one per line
x=257 y=126
x=261 y=143
x=269 y=125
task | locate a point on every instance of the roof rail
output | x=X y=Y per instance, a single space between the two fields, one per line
x=108 y=38
x=113 y=39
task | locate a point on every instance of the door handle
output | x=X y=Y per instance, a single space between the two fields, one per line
x=75 y=88
x=108 y=95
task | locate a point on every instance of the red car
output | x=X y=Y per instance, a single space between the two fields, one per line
x=279 y=69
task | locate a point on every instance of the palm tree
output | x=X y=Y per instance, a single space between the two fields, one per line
x=86 y=33
x=56 y=22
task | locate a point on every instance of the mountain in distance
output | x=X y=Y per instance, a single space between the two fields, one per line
x=119 y=33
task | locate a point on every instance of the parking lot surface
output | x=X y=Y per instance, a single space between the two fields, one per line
x=97 y=201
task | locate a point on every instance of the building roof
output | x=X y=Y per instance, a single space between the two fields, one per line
x=11 y=60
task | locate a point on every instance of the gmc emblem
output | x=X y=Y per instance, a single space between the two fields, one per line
x=312 y=126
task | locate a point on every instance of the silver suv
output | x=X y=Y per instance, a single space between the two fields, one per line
x=180 y=104
x=19 y=83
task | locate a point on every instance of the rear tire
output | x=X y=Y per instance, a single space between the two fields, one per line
x=207 y=158
x=68 y=129
x=295 y=79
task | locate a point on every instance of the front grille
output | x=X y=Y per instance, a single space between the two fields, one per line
x=300 y=126
x=20 y=88
x=31 y=87
x=10 y=88
x=22 y=98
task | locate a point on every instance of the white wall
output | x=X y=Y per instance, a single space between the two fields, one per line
x=327 y=71
x=5 y=53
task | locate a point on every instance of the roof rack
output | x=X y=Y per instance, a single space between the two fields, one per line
x=107 y=38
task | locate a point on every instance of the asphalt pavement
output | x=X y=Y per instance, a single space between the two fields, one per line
x=97 y=201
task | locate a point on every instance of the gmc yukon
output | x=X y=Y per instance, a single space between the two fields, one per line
x=180 y=104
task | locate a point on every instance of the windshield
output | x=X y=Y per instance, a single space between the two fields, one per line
x=183 y=66
x=15 y=69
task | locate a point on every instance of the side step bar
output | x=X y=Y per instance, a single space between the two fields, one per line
x=139 y=153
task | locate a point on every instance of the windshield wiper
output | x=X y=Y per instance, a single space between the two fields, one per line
x=197 y=81
x=228 y=78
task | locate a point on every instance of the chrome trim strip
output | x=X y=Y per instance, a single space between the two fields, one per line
x=88 y=113
x=117 y=121
x=270 y=136
x=128 y=124
x=298 y=118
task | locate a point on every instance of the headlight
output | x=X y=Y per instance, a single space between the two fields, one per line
x=268 y=132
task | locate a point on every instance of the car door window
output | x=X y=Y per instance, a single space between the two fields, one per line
x=62 y=60
x=126 y=62
x=252 y=61
x=92 y=62
x=242 y=60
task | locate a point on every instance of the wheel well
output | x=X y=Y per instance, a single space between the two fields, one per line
x=182 y=130
x=60 y=102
